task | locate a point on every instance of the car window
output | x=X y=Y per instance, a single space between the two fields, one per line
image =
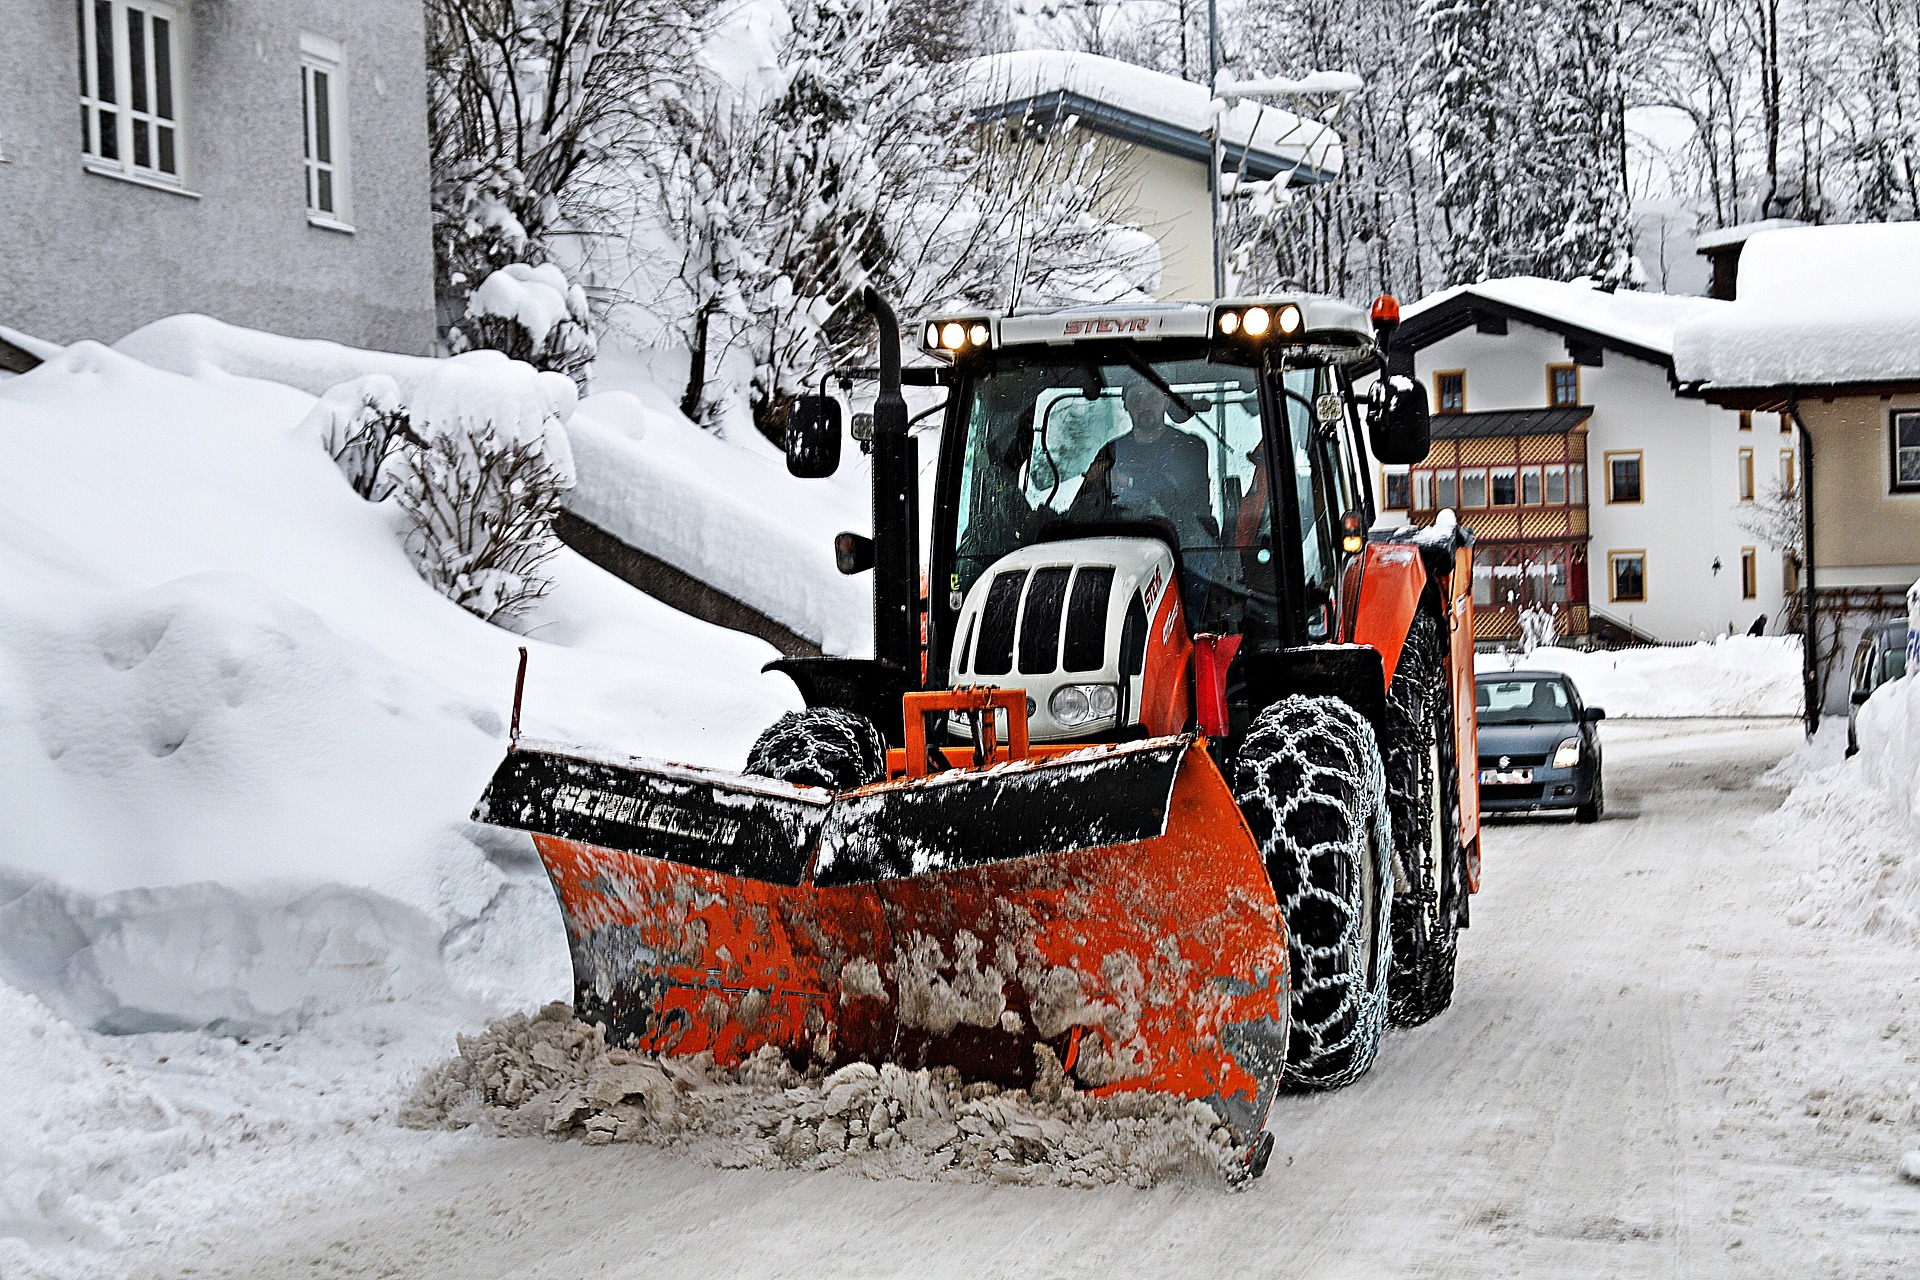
x=1523 y=700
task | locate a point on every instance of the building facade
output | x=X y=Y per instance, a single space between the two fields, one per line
x=261 y=161
x=1820 y=334
x=1157 y=123
x=1597 y=494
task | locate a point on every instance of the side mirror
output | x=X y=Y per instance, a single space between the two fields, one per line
x=813 y=437
x=1398 y=428
x=852 y=553
x=1859 y=697
x=1596 y=713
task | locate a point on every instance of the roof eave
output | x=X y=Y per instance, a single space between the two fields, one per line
x=1467 y=308
x=1056 y=105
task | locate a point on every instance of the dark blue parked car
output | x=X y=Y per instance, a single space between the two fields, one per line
x=1539 y=745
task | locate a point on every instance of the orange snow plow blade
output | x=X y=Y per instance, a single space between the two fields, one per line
x=1107 y=903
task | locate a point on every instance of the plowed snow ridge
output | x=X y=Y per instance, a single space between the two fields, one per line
x=553 y=1076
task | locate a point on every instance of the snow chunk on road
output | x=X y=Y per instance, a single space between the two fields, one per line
x=550 y=1075
x=1731 y=676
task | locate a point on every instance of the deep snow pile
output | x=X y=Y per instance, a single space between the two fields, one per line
x=721 y=509
x=1731 y=676
x=1860 y=819
x=552 y=1076
x=241 y=739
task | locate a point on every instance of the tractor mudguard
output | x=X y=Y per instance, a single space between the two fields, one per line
x=1392 y=578
x=1108 y=903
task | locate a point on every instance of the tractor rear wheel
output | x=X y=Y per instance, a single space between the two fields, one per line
x=1423 y=797
x=820 y=747
x=1309 y=782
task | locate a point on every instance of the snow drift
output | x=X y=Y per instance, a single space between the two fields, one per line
x=242 y=739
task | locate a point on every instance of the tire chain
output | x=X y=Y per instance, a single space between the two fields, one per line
x=1413 y=703
x=820 y=747
x=1310 y=783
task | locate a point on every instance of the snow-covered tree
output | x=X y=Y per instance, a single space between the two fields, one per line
x=360 y=424
x=858 y=165
x=535 y=108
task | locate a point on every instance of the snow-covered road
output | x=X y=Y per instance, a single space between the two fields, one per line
x=1646 y=1072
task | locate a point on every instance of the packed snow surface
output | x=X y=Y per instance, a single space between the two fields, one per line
x=552 y=1076
x=1816 y=306
x=1731 y=676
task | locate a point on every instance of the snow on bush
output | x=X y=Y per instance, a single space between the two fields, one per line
x=1731 y=676
x=534 y=314
x=552 y=1076
x=481 y=493
x=359 y=424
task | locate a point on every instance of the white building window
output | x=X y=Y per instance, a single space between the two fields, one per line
x=130 y=88
x=323 y=111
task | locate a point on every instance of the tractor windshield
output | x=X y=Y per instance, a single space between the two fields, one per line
x=1058 y=446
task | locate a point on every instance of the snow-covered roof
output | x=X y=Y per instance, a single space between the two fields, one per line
x=1647 y=321
x=1152 y=109
x=1818 y=306
x=1741 y=233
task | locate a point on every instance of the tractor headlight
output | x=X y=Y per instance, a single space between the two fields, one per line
x=1567 y=754
x=1290 y=319
x=953 y=335
x=1256 y=321
x=979 y=334
x=1229 y=322
x=1073 y=705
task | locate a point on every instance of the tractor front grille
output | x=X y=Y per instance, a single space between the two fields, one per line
x=1064 y=618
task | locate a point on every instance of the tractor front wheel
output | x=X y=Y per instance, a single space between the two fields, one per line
x=820 y=747
x=1423 y=796
x=1309 y=782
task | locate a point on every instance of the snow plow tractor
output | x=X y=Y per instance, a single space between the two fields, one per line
x=1161 y=780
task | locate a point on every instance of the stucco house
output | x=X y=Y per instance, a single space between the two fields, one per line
x=262 y=161
x=1160 y=123
x=1825 y=331
x=1596 y=491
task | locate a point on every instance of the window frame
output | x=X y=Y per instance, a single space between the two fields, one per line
x=1577 y=484
x=1422 y=491
x=1548 y=474
x=1537 y=474
x=1388 y=479
x=1447 y=477
x=320 y=56
x=1613 y=576
x=1749 y=573
x=1479 y=474
x=1639 y=476
x=1746 y=419
x=1439 y=396
x=1512 y=477
x=1894 y=450
x=161 y=82
x=1743 y=475
x=1553 y=402
x=1789 y=472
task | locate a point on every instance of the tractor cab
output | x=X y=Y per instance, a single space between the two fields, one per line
x=1118 y=484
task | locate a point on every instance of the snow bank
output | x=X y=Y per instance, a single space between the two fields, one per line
x=242 y=739
x=552 y=1076
x=1817 y=305
x=1731 y=676
x=727 y=514
x=1860 y=819
x=724 y=511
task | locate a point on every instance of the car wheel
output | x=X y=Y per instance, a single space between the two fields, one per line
x=1596 y=806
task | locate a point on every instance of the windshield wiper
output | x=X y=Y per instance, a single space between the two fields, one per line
x=1160 y=384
